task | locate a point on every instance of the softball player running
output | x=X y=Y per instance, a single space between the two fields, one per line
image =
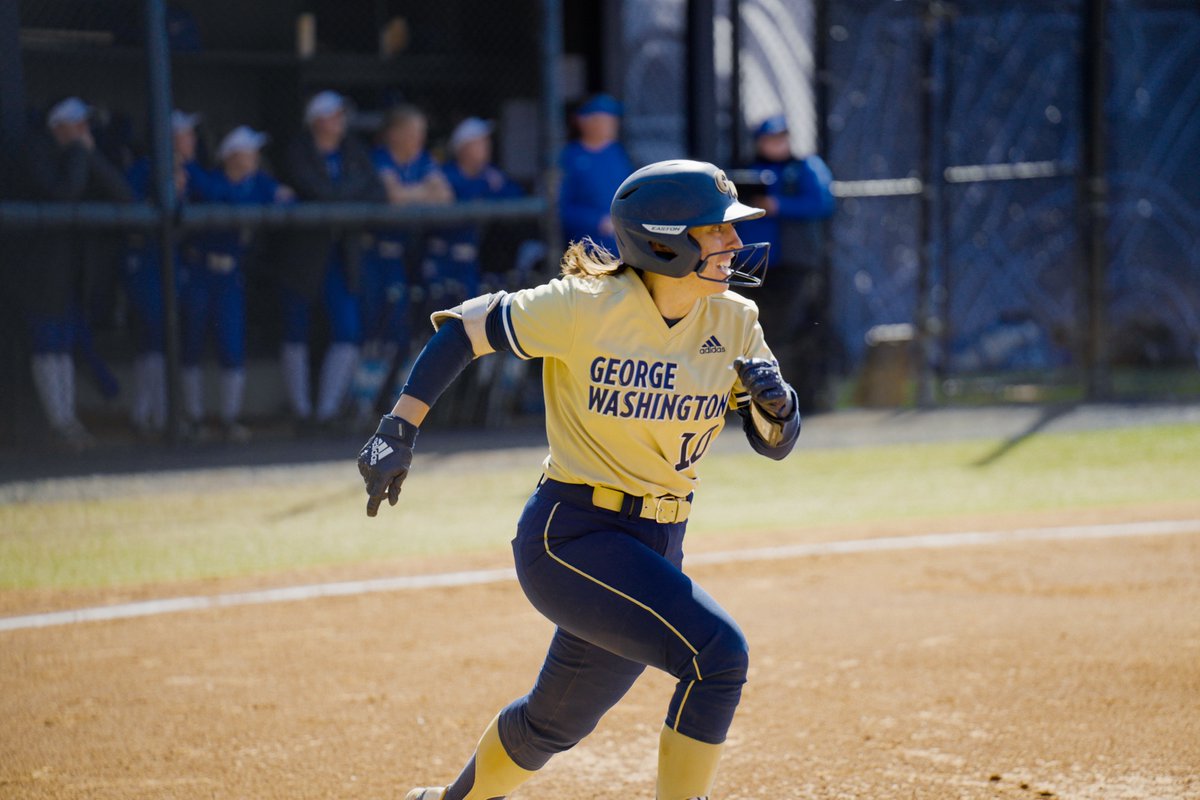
x=642 y=358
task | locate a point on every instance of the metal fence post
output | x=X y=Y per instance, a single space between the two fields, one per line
x=701 y=81
x=1094 y=191
x=926 y=333
x=552 y=126
x=737 y=123
x=158 y=88
x=13 y=358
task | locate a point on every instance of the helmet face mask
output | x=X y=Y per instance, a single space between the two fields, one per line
x=655 y=208
x=748 y=268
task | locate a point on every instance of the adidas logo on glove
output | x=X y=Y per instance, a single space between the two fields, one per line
x=379 y=449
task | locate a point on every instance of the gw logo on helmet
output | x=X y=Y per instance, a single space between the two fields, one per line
x=724 y=185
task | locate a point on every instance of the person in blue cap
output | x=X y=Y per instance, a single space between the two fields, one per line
x=592 y=168
x=142 y=280
x=325 y=164
x=472 y=176
x=795 y=193
x=213 y=283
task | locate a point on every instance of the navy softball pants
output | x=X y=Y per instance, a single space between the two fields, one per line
x=615 y=588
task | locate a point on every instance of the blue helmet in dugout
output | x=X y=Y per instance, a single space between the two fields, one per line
x=655 y=207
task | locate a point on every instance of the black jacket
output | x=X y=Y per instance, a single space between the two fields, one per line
x=304 y=252
x=54 y=265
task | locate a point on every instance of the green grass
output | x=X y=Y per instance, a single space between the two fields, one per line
x=247 y=529
x=1056 y=386
x=1094 y=469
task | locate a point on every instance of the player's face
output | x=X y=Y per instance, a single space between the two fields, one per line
x=66 y=133
x=476 y=153
x=241 y=163
x=599 y=127
x=331 y=127
x=184 y=141
x=407 y=136
x=716 y=239
x=775 y=146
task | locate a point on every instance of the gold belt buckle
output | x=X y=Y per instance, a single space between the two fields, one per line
x=666 y=509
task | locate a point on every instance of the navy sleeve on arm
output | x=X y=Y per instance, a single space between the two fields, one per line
x=497 y=337
x=779 y=451
x=442 y=360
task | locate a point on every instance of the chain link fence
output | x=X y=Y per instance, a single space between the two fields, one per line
x=337 y=173
x=956 y=133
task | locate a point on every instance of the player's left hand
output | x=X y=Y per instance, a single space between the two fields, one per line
x=385 y=459
x=767 y=388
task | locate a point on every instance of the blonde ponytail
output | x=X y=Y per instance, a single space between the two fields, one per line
x=587 y=259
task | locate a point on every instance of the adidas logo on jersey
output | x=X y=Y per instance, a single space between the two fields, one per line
x=711 y=346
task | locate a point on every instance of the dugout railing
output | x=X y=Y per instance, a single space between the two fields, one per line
x=166 y=219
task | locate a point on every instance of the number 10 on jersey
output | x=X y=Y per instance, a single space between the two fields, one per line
x=693 y=446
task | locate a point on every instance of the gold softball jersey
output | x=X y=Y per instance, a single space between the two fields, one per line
x=631 y=403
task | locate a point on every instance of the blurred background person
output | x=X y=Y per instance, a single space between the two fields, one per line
x=472 y=176
x=63 y=166
x=795 y=192
x=409 y=173
x=213 y=284
x=142 y=280
x=593 y=167
x=410 y=176
x=495 y=389
x=324 y=164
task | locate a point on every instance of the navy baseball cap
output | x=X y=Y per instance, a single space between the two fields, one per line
x=600 y=104
x=772 y=125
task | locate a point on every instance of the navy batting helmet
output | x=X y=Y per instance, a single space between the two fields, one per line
x=655 y=206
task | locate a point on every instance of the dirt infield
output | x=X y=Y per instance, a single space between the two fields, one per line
x=1051 y=669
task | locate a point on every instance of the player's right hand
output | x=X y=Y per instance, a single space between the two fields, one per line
x=766 y=386
x=385 y=459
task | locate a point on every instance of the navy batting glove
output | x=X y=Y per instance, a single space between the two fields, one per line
x=385 y=459
x=766 y=386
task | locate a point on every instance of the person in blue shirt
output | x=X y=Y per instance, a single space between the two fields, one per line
x=213 y=285
x=410 y=176
x=142 y=280
x=472 y=176
x=592 y=169
x=796 y=194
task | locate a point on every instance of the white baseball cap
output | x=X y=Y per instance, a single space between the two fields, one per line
x=241 y=139
x=68 y=111
x=323 y=104
x=468 y=130
x=183 y=121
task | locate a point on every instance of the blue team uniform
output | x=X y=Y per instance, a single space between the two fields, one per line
x=457 y=249
x=589 y=180
x=213 y=283
x=801 y=187
x=142 y=264
x=385 y=272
